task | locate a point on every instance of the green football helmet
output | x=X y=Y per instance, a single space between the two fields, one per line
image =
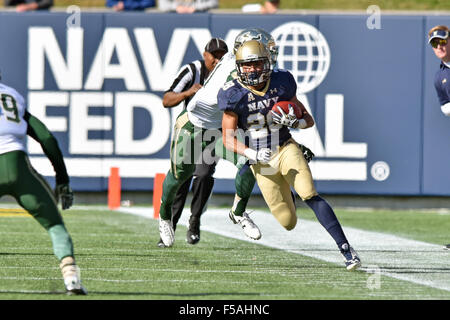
x=259 y=35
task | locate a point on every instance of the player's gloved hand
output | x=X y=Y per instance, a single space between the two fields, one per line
x=307 y=153
x=289 y=120
x=262 y=155
x=64 y=192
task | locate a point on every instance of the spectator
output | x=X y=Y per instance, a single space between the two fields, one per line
x=187 y=6
x=129 y=5
x=438 y=38
x=270 y=6
x=29 y=5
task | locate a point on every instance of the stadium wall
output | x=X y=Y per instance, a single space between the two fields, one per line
x=97 y=80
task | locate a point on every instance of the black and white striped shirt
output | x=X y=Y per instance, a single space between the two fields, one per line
x=194 y=72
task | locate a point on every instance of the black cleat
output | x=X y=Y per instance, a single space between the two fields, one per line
x=192 y=237
x=193 y=233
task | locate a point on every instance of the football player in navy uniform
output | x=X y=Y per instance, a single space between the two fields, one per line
x=198 y=129
x=202 y=118
x=277 y=161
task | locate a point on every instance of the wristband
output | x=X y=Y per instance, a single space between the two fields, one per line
x=250 y=153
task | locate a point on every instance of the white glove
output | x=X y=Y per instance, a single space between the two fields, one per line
x=289 y=120
x=262 y=155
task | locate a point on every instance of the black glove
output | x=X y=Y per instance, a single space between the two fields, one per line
x=64 y=192
x=307 y=153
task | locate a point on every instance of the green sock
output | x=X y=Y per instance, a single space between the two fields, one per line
x=244 y=184
x=61 y=240
x=239 y=205
x=170 y=188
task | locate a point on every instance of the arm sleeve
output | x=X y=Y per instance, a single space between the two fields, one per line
x=39 y=132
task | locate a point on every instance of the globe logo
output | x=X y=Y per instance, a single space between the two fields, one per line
x=304 y=51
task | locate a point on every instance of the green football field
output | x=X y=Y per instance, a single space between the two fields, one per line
x=119 y=259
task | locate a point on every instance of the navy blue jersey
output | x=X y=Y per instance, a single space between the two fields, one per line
x=442 y=84
x=253 y=108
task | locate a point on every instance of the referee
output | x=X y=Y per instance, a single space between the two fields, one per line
x=188 y=81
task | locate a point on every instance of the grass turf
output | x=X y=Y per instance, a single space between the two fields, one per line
x=119 y=260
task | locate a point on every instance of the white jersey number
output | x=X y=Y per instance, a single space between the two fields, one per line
x=260 y=127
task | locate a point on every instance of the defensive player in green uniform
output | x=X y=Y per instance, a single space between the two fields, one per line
x=198 y=129
x=19 y=179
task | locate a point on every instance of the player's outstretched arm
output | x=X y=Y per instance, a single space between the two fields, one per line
x=171 y=98
x=39 y=132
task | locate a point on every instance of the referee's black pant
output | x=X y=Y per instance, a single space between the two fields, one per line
x=202 y=186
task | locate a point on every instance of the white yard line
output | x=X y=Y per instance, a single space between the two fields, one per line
x=414 y=261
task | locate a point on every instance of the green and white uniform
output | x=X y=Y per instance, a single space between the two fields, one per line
x=19 y=179
x=203 y=114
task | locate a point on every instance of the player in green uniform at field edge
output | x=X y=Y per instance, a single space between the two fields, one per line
x=21 y=181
